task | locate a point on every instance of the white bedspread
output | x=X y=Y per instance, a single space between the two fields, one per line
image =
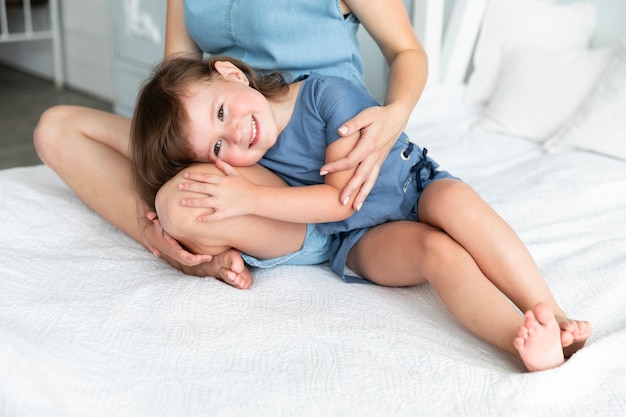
x=91 y=324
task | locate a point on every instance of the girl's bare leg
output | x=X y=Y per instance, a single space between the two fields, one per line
x=229 y=267
x=457 y=209
x=409 y=253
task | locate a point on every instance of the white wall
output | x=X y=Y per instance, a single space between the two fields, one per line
x=88 y=46
x=374 y=66
x=611 y=20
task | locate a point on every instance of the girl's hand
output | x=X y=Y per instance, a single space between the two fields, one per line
x=380 y=127
x=229 y=195
x=163 y=245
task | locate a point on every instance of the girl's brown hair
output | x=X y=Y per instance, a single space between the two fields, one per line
x=158 y=145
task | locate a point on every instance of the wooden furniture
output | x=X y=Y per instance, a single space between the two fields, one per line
x=27 y=32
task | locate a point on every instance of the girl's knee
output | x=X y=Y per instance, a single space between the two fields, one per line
x=177 y=220
x=443 y=200
x=447 y=189
x=438 y=248
x=169 y=210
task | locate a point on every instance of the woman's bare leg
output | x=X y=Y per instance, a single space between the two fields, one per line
x=409 y=253
x=88 y=149
x=457 y=209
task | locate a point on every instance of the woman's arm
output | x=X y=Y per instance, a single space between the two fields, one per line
x=177 y=39
x=389 y=25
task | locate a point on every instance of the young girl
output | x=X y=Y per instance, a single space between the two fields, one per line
x=418 y=224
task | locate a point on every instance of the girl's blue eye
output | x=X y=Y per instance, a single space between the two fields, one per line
x=220 y=113
x=217 y=147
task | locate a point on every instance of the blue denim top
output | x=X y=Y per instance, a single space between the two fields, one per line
x=292 y=36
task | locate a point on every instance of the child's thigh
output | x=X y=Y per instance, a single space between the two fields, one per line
x=399 y=253
x=449 y=202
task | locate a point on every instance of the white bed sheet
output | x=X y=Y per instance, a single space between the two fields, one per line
x=91 y=324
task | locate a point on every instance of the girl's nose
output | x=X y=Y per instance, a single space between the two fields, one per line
x=236 y=132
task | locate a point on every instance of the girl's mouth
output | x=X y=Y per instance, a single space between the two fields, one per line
x=253 y=136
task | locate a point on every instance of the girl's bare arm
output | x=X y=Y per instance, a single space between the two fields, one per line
x=232 y=195
x=255 y=235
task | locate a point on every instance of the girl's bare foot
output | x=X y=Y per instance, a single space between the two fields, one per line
x=230 y=268
x=574 y=334
x=538 y=340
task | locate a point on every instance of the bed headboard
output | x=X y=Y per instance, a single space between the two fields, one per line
x=449 y=29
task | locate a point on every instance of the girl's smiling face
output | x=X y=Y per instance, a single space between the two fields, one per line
x=229 y=120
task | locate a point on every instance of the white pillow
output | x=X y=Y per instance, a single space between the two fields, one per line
x=539 y=89
x=536 y=23
x=600 y=124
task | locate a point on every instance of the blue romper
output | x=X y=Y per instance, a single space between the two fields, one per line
x=294 y=37
x=323 y=104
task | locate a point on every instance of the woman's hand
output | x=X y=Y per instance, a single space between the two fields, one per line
x=229 y=195
x=387 y=21
x=380 y=127
x=227 y=266
x=163 y=245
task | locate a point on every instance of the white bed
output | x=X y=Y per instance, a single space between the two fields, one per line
x=91 y=324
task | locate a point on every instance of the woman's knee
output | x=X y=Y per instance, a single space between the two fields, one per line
x=49 y=130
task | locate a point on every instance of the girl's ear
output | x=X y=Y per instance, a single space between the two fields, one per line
x=230 y=71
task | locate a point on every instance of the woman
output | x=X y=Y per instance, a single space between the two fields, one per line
x=89 y=149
